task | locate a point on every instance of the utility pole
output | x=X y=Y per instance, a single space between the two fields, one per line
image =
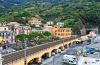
x=53 y=60
x=25 y=58
x=63 y=41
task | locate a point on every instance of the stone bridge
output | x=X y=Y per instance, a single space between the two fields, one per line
x=36 y=53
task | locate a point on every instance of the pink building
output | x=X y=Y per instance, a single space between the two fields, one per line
x=17 y=29
x=23 y=30
x=50 y=23
x=8 y=36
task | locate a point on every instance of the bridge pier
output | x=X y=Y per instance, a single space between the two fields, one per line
x=49 y=54
x=39 y=60
x=63 y=48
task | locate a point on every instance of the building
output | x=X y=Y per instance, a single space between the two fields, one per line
x=88 y=61
x=61 y=32
x=35 y=21
x=1 y=39
x=50 y=23
x=17 y=29
x=47 y=27
x=7 y=36
x=61 y=24
x=4 y=28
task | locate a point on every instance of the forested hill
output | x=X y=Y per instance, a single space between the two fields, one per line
x=74 y=13
x=6 y=5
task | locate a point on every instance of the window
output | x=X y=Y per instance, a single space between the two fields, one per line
x=58 y=30
x=67 y=30
x=55 y=30
x=4 y=28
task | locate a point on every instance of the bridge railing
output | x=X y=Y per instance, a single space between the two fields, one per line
x=18 y=55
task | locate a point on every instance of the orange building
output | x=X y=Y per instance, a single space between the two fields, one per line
x=61 y=32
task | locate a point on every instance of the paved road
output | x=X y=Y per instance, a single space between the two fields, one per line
x=57 y=59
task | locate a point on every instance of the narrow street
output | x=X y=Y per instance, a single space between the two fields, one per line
x=57 y=59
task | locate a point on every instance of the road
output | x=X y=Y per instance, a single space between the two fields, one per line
x=57 y=59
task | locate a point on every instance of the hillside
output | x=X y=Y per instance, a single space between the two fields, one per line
x=74 y=13
x=6 y=5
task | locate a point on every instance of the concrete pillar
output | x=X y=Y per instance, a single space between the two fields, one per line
x=67 y=45
x=56 y=50
x=39 y=59
x=49 y=54
x=71 y=43
x=63 y=48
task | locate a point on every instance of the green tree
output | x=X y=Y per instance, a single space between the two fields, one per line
x=46 y=33
x=23 y=14
x=32 y=25
x=33 y=35
x=21 y=37
x=43 y=39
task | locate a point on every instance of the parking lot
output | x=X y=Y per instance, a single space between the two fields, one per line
x=97 y=47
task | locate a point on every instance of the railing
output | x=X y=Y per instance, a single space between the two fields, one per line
x=18 y=55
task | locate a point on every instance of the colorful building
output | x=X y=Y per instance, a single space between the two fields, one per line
x=61 y=24
x=35 y=21
x=4 y=28
x=7 y=36
x=61 y=32
x=50 y=23
x=23 y=30
x=1 y=39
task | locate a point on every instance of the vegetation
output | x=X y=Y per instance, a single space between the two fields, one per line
x=46 y=33
x=21 y=37
x=74 y=13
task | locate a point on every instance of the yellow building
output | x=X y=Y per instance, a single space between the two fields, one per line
x=61 y=32
x=1 y=39
x=35 y=21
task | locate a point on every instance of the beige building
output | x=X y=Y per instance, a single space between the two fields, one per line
x=61 y=32
x=35 y=21
x=4 y=28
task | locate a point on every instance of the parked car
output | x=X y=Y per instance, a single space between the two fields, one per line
x=69 y=59
x=53 y=53
x=59 y=50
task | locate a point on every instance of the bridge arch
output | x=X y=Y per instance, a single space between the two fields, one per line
x=61 y=47
x=54 y=51
x=65 y=46
x=33 y=61
x=69 y=44
x=45 y=56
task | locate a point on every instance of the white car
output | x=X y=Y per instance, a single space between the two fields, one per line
x=53 y=53
x=71 y=59
x=59 y=50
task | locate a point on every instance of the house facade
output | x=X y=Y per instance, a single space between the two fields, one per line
x=35 y=21
x=61 y=32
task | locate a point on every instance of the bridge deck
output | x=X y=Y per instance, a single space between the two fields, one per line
x=20 y=54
